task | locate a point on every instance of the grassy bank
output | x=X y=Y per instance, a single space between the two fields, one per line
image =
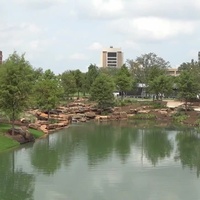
x=7 y=143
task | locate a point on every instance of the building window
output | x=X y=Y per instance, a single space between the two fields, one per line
x=112 y=54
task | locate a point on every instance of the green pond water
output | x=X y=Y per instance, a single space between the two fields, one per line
x=115 y=161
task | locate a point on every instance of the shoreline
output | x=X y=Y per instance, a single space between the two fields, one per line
x=84 y=112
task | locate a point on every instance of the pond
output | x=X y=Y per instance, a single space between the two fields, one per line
x=105 y=161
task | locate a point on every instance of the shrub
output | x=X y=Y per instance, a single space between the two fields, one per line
x=179 y=116
x=144 y=116
x=119 y=103
x=158 y=105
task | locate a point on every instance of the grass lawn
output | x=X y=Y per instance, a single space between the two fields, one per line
x=36 y=133
x=6 y=143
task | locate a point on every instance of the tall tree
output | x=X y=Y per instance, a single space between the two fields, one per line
x=68 y=83
x=161 y=85
x=102 y=91
x=79 y=80
x=123 y=80
x=92 y=73
x=149 y=62
x=110 y=71
x=16 y=77
x=48 y=91
x=188 y=86
x=135 y=70
x=151 y=59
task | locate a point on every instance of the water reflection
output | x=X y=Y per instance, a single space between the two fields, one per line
x=157 y=146
x=14 y=183
x=188 y=149
x=45 y=157
x=104 y=161
x=101 y=142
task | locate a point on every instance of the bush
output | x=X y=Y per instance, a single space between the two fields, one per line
x=158 y=105
x=144 y=116
x=119 y=103
x=179 y=116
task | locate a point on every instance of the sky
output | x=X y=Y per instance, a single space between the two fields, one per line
x=66 y=35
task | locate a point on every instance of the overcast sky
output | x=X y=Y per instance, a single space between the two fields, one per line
x=69 y=34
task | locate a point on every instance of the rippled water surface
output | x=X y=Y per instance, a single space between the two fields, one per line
x=104 y=162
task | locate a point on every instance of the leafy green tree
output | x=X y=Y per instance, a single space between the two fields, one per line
x=16 y=77
x=79 y=80
x=48 y=91
x=153 y=72
x=151 y=59
x=161 y=85
x=68 y=83
x=185 y=66
x=85 y=86
x=193 y=65
x=148 y=64
x=110 y=71
x=135 y=70
x=92 y=74
x=188 y=86
x=37 y=73
x=102 y=91
x=123 y=80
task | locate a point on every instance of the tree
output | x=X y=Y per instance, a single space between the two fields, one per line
x=16 y=77
x=151 y=59
x=161 y=85
x=193 y=65
x=123 y=80
x=92 y=74
x=135 y=70
x=68 y=83
x=102 y=91
x=148 y=62
x=48 y=91
x=110 y=71
x=37 y=72
x=79 y=80
x=188 y=86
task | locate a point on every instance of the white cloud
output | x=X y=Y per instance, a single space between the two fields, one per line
x=49 y=31
x=112 y=9
x=38 y=4
x=152 y=28
x=159 y=29
x=78 y=56
x=107 y=7
x=34 y=44
x=99 y=8
x=95 y=46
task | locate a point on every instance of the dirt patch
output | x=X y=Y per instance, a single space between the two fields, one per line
x=164 y=115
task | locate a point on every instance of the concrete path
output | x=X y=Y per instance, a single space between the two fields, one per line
x=173 y=103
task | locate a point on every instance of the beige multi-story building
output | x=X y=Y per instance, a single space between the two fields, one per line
x=1 y=57
x=112 y=57
x=173 y=71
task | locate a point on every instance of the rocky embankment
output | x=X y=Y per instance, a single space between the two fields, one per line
x=82 y=112
x=78 y=112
